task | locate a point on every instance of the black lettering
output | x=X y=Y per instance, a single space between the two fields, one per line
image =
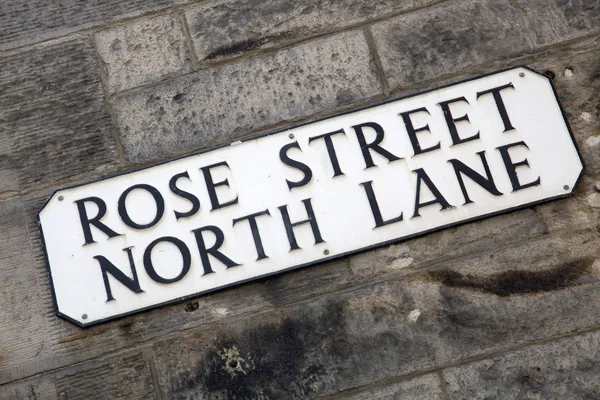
x=211 y=186
x=439 y=199
x=451 y=121
x=500 y=104
x=412 y=132
x=295 y=164
x=289 y=226
x=486 y=182
x=185 y=254
x=379 y=221
x=511 y=167
x=330 y=150
x=86 y=221
x=374 y=145
x=255 y=233
x=158 y=199
x=186 y=195
x=214 y=250
x=108 y=268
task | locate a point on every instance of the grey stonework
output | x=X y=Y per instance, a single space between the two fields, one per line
x=502 y=308
x=222 y=104
x=143 y=52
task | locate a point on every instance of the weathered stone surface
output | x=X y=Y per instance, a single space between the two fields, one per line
x=224 y=29
x=22 y=331
x=126 y=376
x=445 y=40
x=143 y=51
x=423 y=387
x=25 y=22
x=41 y=388
x=54 y=123
x=222 y=104
x=121 y=377
x=564 y=369
x=460 y=309
x=496 y=232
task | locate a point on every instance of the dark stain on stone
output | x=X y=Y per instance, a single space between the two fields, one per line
x=127 y=328
x=245 y=46
x=179 y=97
x=271 y=361
x=517 y=282
x=192 y=306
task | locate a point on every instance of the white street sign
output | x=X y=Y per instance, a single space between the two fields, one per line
x=307 y=194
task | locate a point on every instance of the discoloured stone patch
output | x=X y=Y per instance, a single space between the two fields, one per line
x=143 y=52
x=323 y=346
x=517 y=282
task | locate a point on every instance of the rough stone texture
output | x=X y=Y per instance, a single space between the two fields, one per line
x=444 y=40
x=564 y=369
x=123 y=377
x=462 y=308
x=424 y=387
x=126 y=376
x=224 y=29
x=224 y=103
x=143 y=52
x=54 y=123
x=31 y=389
x=22 y=329
x=25 y=21
x=499 y=306
x=496 y=232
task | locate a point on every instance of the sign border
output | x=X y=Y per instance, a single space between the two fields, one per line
x=325 y=259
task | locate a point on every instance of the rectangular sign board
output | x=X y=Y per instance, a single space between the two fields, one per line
x=307 y=194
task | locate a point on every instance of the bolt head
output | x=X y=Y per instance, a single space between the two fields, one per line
x=60 y=198
x=84 y=316
x=326 y=252
x=522 y=74
x=291 y=135
x=566 y=187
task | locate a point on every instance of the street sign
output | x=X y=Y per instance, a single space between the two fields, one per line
x=307 y=194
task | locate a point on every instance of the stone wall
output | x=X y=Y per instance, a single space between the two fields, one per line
x=503 y=308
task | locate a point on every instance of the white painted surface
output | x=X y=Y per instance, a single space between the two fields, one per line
x=258 y=178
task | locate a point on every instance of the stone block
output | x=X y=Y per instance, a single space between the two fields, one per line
x=143 y=51
x=562 y=369
x=448 y=39
x=39 y=388
x=126 y=376
x=25 y=22
x=225 y=29
x=22 y=331
x=423 y=387
x=223 y=104
x=55 y=125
